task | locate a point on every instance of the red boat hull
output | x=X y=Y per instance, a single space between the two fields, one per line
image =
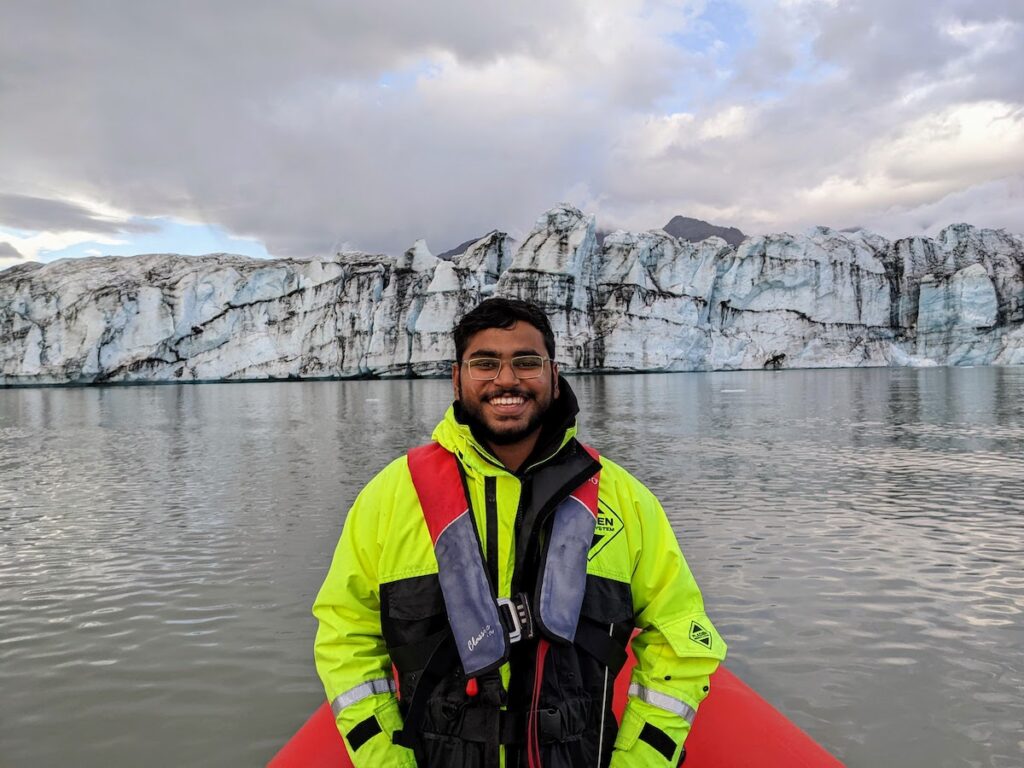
x=735 y=728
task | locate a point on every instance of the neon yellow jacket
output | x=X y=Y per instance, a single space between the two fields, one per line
x=385 y=539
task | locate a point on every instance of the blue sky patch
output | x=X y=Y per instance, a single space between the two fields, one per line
x=172 y=236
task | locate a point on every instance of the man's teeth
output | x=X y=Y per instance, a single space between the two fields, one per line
x=507 y=400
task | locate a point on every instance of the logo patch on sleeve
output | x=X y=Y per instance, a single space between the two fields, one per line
x=700 y=635
x=609 y=525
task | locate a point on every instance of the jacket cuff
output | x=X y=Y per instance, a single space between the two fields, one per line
x=649 y=737
x=367 y=728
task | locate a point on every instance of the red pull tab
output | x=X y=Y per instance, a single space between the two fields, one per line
x=472 y=689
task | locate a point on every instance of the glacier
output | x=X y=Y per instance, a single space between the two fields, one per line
x=631 y=302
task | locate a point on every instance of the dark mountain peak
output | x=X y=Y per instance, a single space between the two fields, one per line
x=459 y=249
x=696 y=230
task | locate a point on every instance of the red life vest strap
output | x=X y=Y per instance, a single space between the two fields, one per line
x=469 y=599
x=587 y=493
x=438 y=483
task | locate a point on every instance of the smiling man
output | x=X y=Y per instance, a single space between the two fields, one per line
x=505 y=380
x=500 y=572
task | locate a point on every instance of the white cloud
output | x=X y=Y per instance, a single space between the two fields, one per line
x=991 y=204
x=728 y=123
x=959 y=148
x=982 y=35
x=34 y=245
x=963 y=144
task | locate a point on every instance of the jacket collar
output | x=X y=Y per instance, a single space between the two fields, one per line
x=558 y=429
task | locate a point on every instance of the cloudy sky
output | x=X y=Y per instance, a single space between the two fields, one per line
x=296 y=129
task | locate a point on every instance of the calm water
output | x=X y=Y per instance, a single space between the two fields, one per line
x=858 y=536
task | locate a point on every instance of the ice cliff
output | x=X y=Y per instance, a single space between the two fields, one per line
x=636 y=302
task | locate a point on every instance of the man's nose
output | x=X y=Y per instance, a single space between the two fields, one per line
x=506 y=376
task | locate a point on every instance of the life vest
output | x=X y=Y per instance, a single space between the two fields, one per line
x=482 y=638
x=550 y=717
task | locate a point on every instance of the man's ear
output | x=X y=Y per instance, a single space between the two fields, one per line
x=554 y=377
x=456 y=380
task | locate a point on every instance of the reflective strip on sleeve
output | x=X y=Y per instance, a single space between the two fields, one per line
x=662 y=701
x=360 y=692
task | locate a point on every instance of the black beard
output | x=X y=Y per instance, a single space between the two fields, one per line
x=483 y=432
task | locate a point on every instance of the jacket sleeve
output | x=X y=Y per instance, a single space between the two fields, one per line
x=351 y=657
x=676 y=651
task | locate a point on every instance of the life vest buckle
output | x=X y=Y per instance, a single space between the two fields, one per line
x=517 y=617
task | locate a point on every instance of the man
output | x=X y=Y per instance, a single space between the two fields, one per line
x=501 y=571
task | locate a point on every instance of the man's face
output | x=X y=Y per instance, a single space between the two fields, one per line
x=508 y=409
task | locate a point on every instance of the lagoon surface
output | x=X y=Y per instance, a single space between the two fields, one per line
x=858 y=535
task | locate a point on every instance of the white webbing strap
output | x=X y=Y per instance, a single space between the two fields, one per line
x=663 y=701
x=360 y=692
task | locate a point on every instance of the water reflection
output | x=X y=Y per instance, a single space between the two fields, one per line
x=858 y=535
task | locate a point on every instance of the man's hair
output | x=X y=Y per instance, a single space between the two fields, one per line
x=501 y=313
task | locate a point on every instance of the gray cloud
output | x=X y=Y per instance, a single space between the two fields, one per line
x=286 y=127
x=26 y=212
x=8 y=251
x=320 y=122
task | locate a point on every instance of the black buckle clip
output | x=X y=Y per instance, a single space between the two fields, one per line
x=550 y=727
x=517 y=617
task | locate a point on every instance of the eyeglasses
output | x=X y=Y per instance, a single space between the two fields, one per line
x=524 y=367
